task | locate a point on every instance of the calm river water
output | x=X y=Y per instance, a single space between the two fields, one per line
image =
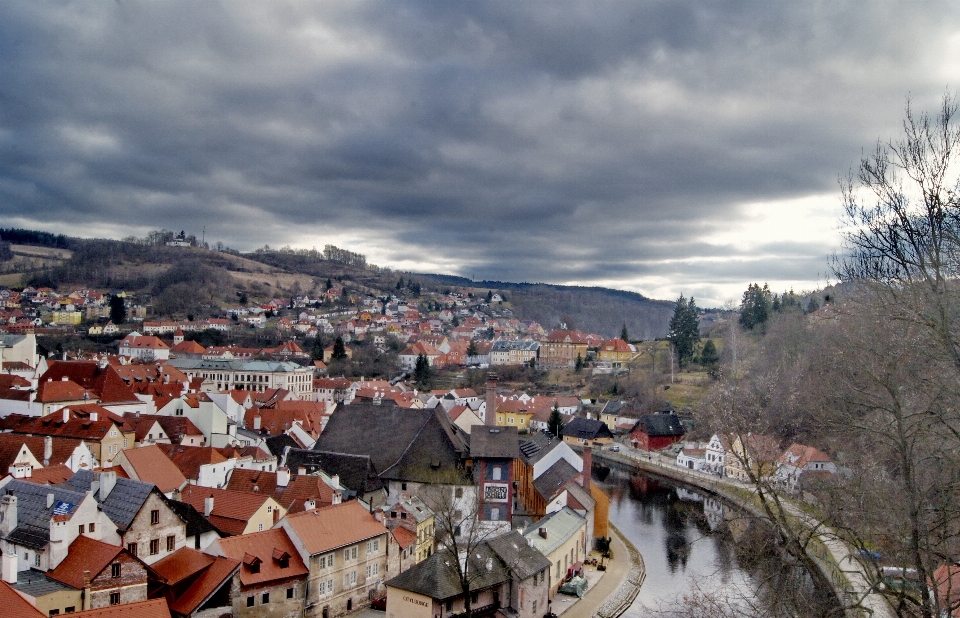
x=694 y=542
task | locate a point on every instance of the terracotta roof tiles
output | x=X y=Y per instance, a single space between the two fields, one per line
x=271 y=547
x=335 y=526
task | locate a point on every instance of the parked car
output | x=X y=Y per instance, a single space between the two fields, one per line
x=379 y=603
x=615 y=448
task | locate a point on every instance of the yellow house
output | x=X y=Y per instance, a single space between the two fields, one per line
x=514 y=413
x=751 y=455
x=96 y=329
x=412 y=513
x=234 y=512
x=561 y=536
x=616 y=352
x=66 y=317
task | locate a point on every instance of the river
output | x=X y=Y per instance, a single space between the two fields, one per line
x=691 y=541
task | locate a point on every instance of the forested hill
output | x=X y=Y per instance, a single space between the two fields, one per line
x=197 y=280
x=590 y=309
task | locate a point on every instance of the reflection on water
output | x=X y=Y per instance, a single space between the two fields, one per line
x=689 y=540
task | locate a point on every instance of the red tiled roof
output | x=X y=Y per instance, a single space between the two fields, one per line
x=299 y=489
x=211 y=573
x=151 y=465
x=15 y=605
x=85 y=554
x=405 y=538
x=182 y=564
x=269 y=546
x=105 y=382
x=190 y=458
x=156 y=608
x=231 y=509
x=53 y=475
x=49 y=391
x=334 y=526
x=79 y=424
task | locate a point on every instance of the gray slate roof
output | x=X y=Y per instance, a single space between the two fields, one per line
x=36 y=584
x=586 y=428
x=494 y=442
x=536 y=447
x=357 y=472
x=124 y=501
x=662 y=425
x=554 y=479
x=33 y=514
x=560 y=525
x=514 y=550
x=403 y=444
x=233 y=365
x=436 y=577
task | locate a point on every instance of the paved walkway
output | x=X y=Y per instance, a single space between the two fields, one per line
x=602 y=584
x=858 y=585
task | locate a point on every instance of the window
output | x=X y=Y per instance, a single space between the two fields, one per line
x=494 y=514
x=54 y=612
x=81 y=528
x=90 y=527
x=265 y=598
x=259 y=527
x=403 y=486
x=171 y=543
x=250 y=601
x=36 y=560
x=132 y=548
x=373 y=570
x=70 y=609
x=115 y=569
x=496 y=473
x=155 y=516
x=114 y=598
x=154 y=547
x=350 y=579
x=326 y=561
x=458 y=492
x=474 y=598
x=290 y=593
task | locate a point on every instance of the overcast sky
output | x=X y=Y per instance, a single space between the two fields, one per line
x=661 y=147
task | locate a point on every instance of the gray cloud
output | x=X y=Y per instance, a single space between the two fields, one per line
x=558 y=141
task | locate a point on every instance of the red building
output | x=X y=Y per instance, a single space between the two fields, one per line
x=657 y=431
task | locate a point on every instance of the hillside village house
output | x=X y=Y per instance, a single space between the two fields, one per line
x=514 y=351
x=234 y=512
x=560 y=349
x=752 y=455
x=143 y=347
x=345 y=549
x=104 y=432
x=561 y=537
x=107 y=574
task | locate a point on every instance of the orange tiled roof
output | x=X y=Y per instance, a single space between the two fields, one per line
x=152 y=465
x=405 y=538
x=299 y=489
x=190 y=458
x=211 y=573
x=331 y=527
x=156 y=608
x=270 y=546
x=15 y=605
x=53 y=475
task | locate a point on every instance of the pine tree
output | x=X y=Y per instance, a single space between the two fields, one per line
x=755 y=306
x=489 y=296
x=421 y=373
x=555 y=422
x=118 y=310
x=339 y=350
x=624 y=334
x=709 y=357
x=578 y=366
x=316 y=353
x=684 y=329
x=472 y=348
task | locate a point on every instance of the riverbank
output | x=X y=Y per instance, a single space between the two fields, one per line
x=619 y=583
x=827 y=550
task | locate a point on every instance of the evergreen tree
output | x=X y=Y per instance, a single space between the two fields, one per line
x=118 y=310
x=339 y=350
x=489 y=296
x=400 y=284
x=316 y=352
x=555 y=422
x=623 y=333
x=578 y=366
x=684 y=329
x=421 y=373
x=709 y=357
x=755 y=306
x=456 y=321
x=813 y=305
x=472 y=348
x=243 y=298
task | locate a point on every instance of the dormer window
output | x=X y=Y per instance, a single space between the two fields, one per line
x=252 y=563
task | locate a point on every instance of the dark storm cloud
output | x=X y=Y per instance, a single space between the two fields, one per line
x=539 y=141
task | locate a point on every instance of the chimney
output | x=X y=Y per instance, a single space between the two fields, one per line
x=301 y=470
x=256 y=422
x=587 y=467
x=47 y=450
x=8 y=515
x=50 y=498
x=108 y=481
x=335 y=481
x=9 y=567
x=490 y=415
x=309 y=505
x=94 y=416
x=283 y=476
x=207 y=506
x=64 y=379
x=543 y=533
x=66 y=414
